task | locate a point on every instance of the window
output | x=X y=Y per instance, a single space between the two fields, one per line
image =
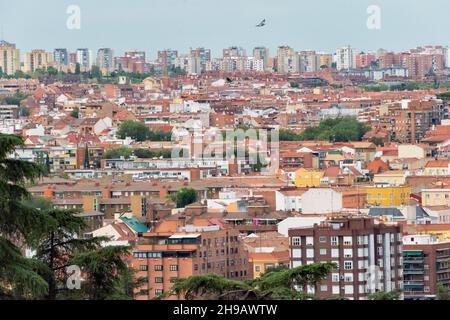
x=348 y=241
x=348 y=289
x=158 y=267
x=323 y=252
x=361 y=276
x=143 y=267
x=348 y=253
x=335 y=277
x=158 y=280
x=154 y=254
x=140 y=255
x=335 y=253
x=296 y=253
x=257 y=268
x=324 y=287
x=380 y=262
x=159 y=292
x=362 y=264
x=348 y=277
x=360 y=240
x=309 y=241
x=334 y=241
x=174 y=267
x=360 y=252
x=335 y=290
x=296 y=264
x=348 y=265
x=323 y=239
x=310 y=253
x=143 y=292
x=296 y=241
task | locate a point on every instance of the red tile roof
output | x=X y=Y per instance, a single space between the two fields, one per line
x=377 y=166
x=440 y=163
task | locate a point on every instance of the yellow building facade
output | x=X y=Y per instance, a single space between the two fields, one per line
x=436 y=197
x=9 y=57
x=37 y=59
x=388 y=196
x=262 y=262
x=308 y=178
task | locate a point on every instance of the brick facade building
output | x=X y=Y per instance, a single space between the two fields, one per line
x=368 y=255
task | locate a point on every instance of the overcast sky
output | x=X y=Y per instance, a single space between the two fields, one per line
x=151 y=25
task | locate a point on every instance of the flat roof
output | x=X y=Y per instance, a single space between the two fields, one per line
x=184 y=236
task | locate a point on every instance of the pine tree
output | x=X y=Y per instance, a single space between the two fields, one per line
x=57 y=241
x=107 y=275
x=19 y=276
x=443 y=293
x=278 y=284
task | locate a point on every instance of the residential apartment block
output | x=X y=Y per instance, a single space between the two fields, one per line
x=426 y=265
x=9 y=57
x=368 y=255
x=176 y=250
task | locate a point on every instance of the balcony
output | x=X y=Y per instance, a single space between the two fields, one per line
x=443 y=270
x=443 y=258
x=247 y=228
x=412 y=260
x=413 y=284
x=413 y=271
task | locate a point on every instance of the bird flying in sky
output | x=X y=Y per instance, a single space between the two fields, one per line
x=261 y=24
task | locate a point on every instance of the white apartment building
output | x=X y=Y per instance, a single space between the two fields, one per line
x=345 y=58
x=84 y=57
x=289 y=200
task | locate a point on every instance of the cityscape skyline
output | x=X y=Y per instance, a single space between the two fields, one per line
x=225 y=150
x=183 y=32
x=416 y=62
